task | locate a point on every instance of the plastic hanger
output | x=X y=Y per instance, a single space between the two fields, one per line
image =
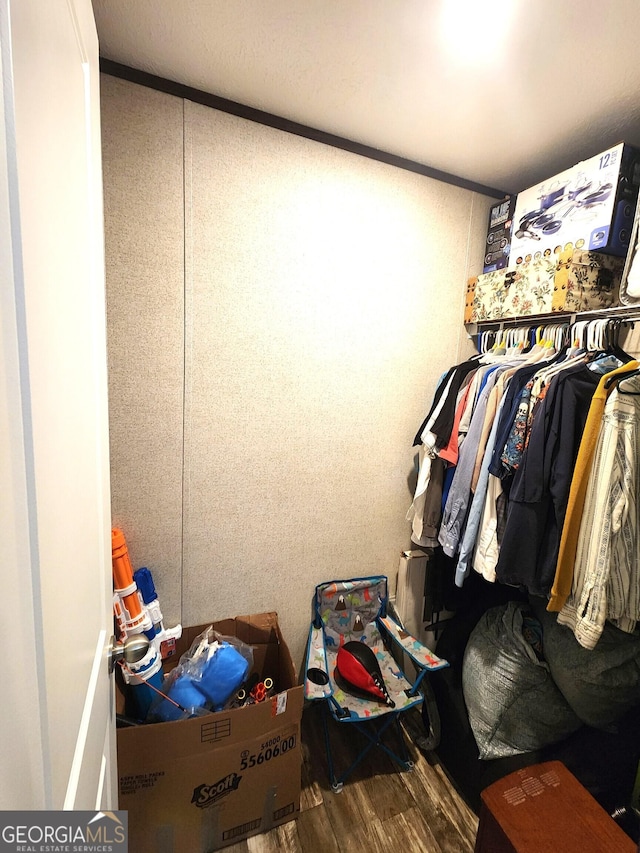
x=612 y=333
x=622 y=377
x=611 y=347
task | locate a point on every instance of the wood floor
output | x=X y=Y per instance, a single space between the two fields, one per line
x=380 y=808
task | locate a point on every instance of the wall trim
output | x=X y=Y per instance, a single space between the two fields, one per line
x=161 y=84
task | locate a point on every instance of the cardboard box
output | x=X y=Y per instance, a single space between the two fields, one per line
x=498 y=243
x=468 y=299
x=571 y=282
x=200 y=784
x=589 y=206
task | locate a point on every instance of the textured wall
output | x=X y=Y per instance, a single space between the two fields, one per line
x=323 y=296
x=142 y=133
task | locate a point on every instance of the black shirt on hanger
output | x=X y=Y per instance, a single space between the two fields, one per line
x=540 y=489
x=443 y=423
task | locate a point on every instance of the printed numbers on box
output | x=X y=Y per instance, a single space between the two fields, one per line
x=608 y=159
x=271 y=749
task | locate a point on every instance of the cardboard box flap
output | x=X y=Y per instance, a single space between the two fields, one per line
x=257 y=629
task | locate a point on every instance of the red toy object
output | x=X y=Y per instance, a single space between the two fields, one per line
x=260 y=691
x=358 y=666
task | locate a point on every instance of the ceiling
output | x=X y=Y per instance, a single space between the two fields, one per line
x=504 y=93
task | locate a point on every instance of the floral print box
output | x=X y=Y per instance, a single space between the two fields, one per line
x=572 y=281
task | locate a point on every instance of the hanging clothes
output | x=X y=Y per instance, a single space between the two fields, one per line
x=455 y=511
x=433 y=436
x=507 y=455
x=575 y=503
x=441 y=435
x=494 y=512
x=473 y=528
x=426 y=454
x=538 y=496
x=508 y=416
x=606 y=579
x=450 y=453
x=439 y=420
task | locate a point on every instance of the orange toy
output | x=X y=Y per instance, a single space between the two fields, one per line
x=135 y=616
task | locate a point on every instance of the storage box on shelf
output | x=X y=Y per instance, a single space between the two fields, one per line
x=572 y=281
x=590 y=206
x=206 y=782
x=498 y=242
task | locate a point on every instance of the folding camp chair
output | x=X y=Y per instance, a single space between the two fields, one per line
x=357 y=610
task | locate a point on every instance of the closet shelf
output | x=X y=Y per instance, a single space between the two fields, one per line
x=621 y=312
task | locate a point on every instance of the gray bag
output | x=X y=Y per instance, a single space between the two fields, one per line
x=514 y=706
x=600 y=684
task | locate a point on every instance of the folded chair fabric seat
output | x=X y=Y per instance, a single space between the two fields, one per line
x=348 y=610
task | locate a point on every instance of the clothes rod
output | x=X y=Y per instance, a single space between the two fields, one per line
x=619 y=312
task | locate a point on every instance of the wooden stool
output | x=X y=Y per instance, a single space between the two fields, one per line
x=544 y=809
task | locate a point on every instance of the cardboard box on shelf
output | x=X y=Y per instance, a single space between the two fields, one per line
x=589 y=207
x=498 y=242
x=200 y=784
x=572 y=281
x=468 y=299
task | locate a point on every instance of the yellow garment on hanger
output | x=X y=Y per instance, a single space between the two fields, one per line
x=575 y=505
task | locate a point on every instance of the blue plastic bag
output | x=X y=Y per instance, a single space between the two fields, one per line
x=223 y=674
x=212 y=671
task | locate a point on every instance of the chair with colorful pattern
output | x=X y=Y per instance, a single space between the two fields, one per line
x=348 y=610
